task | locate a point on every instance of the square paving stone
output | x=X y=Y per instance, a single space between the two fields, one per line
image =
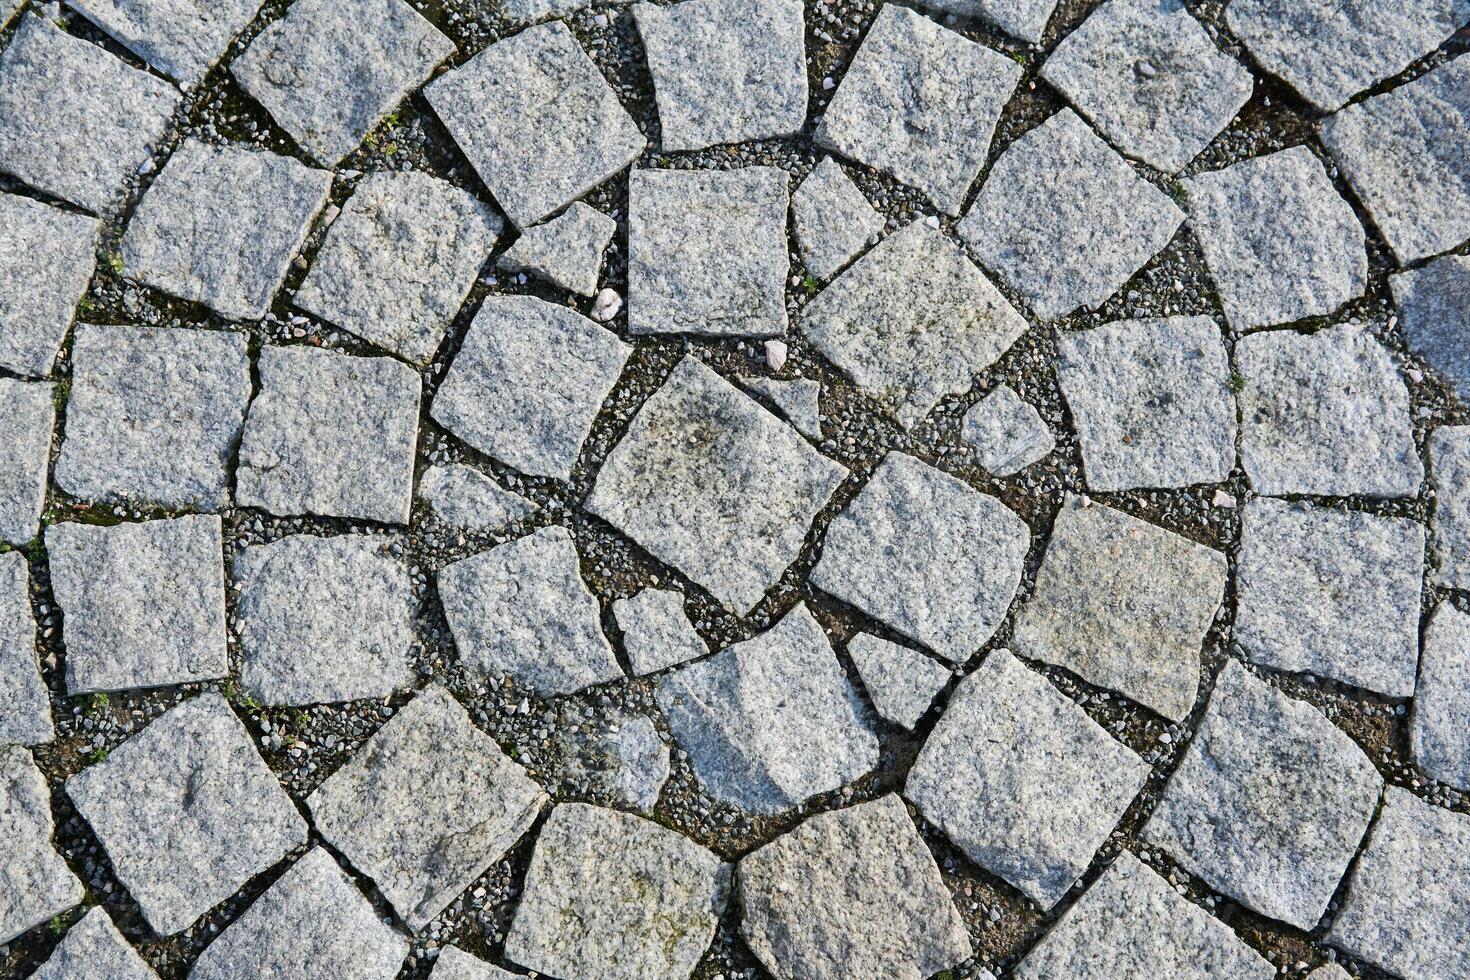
x=25 y=704
x=397 y=264
x=327 y=81
x=1151 y=402
x=1131 y=923
x=565 y=251
x=1435 y=319
x=1146 y=74
x=1269 y=803
x=911 y=322
x=1331 y=52
x=188 y=812
x=35 y=883
x=901 y=683
x=850 y=893
x=1330 y=592
x=1281 y=244
x=920 y=102
x=1006 y=432
x=1022 y=780
x=707 y=251
x=1064 y=220
x=330 y=434
x=537 y=120
x=1124 y=605
x=927 y=555
x=461 y=496
x=323 y=619
x=93 y=947
x=427 y=804
x=657 y=632
x=1025 y=19
x=75 y=121
x=1439 y=727
x=47 y=257
x=1403 y=154
x=832 y=220
x=1449 y=515
x=725 y=71
x=311 y=922
x=617 y=897
x=527 y=383
x=713 y=484
x=521 y=610
x=220 y=226
x=181 y=38
x=770 y=722
x=1325 y=414
x=27 y=416
x=1409 y=897
x=143 y=605
x=154 y=415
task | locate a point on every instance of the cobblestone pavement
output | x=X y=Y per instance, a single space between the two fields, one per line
x=734 y=489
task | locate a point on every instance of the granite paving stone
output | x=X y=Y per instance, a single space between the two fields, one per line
x=1123 y=604
x=1025 y=19
x=93 y=947
x=1151 y=402
x=1006 y=432
x=1146 y=74
x=772 y=721
x=461 y=496
x=831 y=219
x=615 y=896
x=565 y=251
x=537 y=120
x=927 y=555
x=1325 y=414
x=725 y=71
x=76 y=122
x=25 y=704
x=330 y=434
x=850 y=893
x=919 y=102
x=1435 y=319
x=154 y=415
x=1409 y=896
x=181 y=38
x=27 y=416
x=1330 y=592
x=713 y=484
x=1269 y=802
x=1064 y=220
x=1329 y=971
x=623 y=760
x=521 y=610
x=528 y=382
x=187 y=811
x=1022 y=780
x=1281 y=244
x=1131 y=923
x=1439 y=726
x=657 y=632
x=426 y=805
x=901 y=683
x=455 y=964
x=911 y=321
x=795 y=401
x=327 y=81
x=398 y=263
x=707 y=251
x=35 y=882
x=221 y=224
x=311 y=922
x=143 y=604
x=1401 y=152
x=47 y=257
x=1449 y=517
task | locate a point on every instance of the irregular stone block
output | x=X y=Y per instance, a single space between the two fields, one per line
x=25 y=704
x=455 y=964
x=1439 y=728
x=1449 y=517
x=622 y=759
x=35 y=883
x=94 y=948
x=656 y=630
x=1007 y=433
x=181 y=38
x=566 y=251
x=902 y=683
x=1025 y=19
x=832 y=220
x=1434 y=317
x=47 y=257
x=464 y=497
x=795 y=401
x=27 y=416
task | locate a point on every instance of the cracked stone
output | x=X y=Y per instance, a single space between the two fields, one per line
x=1022 y=780
x=47 y=257
x=566 y=251
x=94 y=948
x=795 y=401
x=1439 y=727
x=920 y=102
x=398 y=263
x=927 y=555
x=427 y=804
x=35 y=882
x=521 y=610
x=181 y=38
x=912 y=321
x=1269 y=802
x=1435 y=318
x=1449 y=515
x=1124 y=605
x=527 y=383
x=901 y=683
x=1007 y=434
x=188 y=812
x=25 y=704
x=656 y=630
x=1064 y=220
x=832 y=220
x=461 y=496
x=154 y=415
x=27 y=416
x=772 y=721
x=143 y=605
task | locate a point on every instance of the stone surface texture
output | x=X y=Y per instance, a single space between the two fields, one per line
x=27 y=416
x=656 y=630
x=455 y=964
x=47 y=256
x=565 y=251
x=1007 y=433
x=34 y=879
x=902 y=683
x=461 y=496
x=831 y=219
x=1434 y=317
x=93 y=947
x=1439 y=727
x=1025 y=19
x=798 y=402
x=624 y=761
x=25 y=704
x=182 y=38
x=1449 y=518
